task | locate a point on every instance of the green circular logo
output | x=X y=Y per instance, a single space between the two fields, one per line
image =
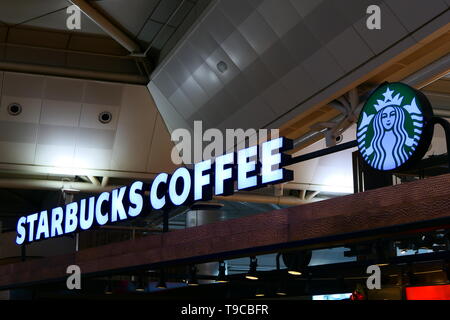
x=392 y=128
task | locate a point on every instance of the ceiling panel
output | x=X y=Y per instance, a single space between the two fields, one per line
x=132 y=17
x=59 y=125
x=15 y=12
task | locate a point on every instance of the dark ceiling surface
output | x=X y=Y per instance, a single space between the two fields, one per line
x=34 y=32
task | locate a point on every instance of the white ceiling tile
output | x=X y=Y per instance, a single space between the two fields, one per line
x=90 y=116
x=299 y=83
x=194 y=92
x=278 y=60
x=258 y=76
x=325 y=22
x=165 y=83
x=23 y=85
x=280 y=15
x=236 y=10
x=239 y=50
x=182 y=104
x=20 y=153
x=258 y=33
x=204 y=42
x=92 y=158
x=103 y=93
x=305 y=7
x=241 y=90
x=177 y=71
x=61 y=113
x=414 y=13
x=95 y=138
x=300 y=42
x=278 y=98
x=218 y=25
x=134 y=130
x=221 y=56
x=352 y=10
x=391 y=31
x=57 y=156
x=226 y=103
x=349 y=49
x=256 y=110
x=190 y=57
x=18 y=132
x=31 y=109
x=56 y=135
x=159 y=159
x=207 y=80
x=322 y=67
x=64 y=89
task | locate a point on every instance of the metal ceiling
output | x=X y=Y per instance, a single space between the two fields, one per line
x=285 y=60
x=34 y=35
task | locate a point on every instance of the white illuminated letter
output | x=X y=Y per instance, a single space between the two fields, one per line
x=201 y=180
x=270 y=160
x=71 y=220
x=223 y=174
x=56 y=223
x=86 y=223
x=30 y=220
x=102 y=219
x=185 y=176
x=158 y=203
x=21 y=231
x=117 y=208
x=136 y=199
x=43 y=227
x=245 y=166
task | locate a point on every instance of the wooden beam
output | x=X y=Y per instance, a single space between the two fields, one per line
x=408 y=206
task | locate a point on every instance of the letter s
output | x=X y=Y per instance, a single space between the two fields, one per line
x=21 y=231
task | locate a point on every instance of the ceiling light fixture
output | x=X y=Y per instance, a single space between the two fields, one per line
x=222 y=66
x=192 y=281
x=222 y=278
x=251 y=275
x=162 y=281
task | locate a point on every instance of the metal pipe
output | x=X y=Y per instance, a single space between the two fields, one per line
x=94 y=180
x=107 y=26
x=91 y=188
x=254 y=198
x=75 y=73
x=105 y=181
x=32 y=184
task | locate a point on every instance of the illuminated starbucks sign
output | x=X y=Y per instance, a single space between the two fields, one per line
x=393 y=129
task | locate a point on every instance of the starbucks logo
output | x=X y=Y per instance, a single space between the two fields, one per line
x=391 y=128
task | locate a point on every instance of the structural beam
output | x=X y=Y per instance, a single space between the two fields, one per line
x=107 y=26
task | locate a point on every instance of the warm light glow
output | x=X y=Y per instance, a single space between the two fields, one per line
x=295 y=273
x=250 y=277
x=221 y=281
x=441 y=292
x=382 y=264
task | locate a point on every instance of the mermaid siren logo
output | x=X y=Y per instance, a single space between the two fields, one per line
x=392 y=128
